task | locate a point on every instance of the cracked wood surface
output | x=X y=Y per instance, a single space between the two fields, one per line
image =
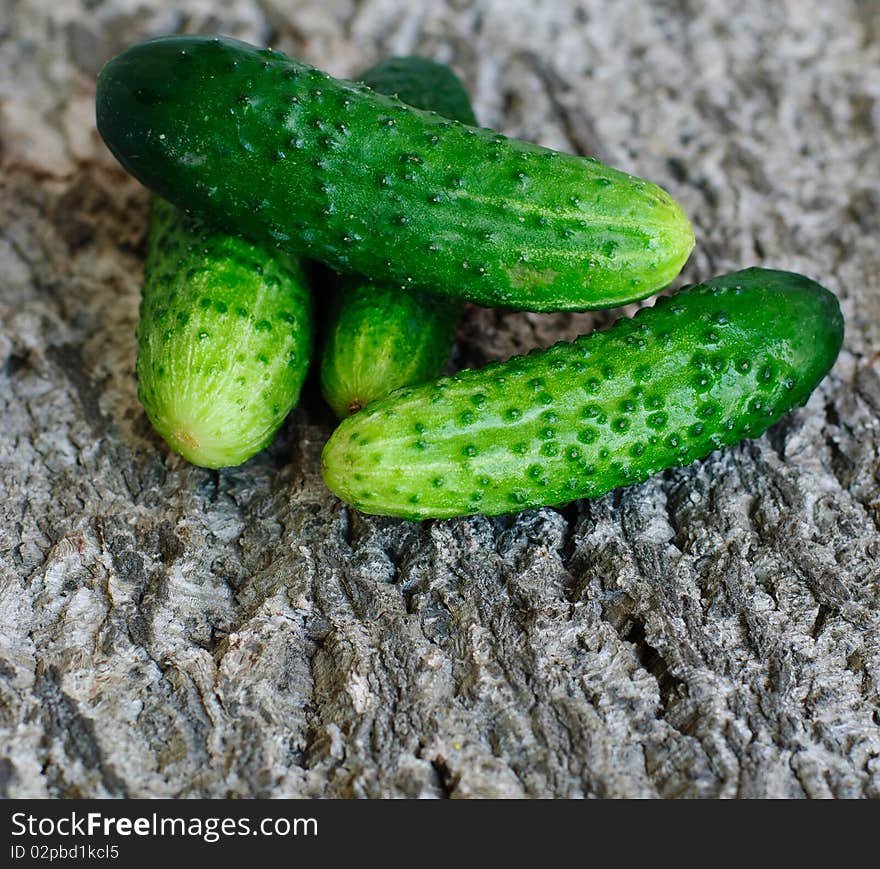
x=171 y=631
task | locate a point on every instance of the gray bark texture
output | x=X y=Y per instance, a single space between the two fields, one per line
x=171 y=631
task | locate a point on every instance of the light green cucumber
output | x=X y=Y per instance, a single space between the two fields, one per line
x=224 y=338
x=380 y=336
x=274 y=149
x=700 y=370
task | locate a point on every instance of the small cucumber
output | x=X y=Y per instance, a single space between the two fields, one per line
x=699 y=370
x=379 y=336
x=423 y=84
x=225 y=338
x=274 y=149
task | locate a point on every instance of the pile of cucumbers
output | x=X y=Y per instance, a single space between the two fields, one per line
x=258 y=161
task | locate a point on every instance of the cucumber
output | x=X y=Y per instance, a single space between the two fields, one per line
x=699 y=370
x=274 y=149
x=224 y=337
x=423 y=84
x=379 y=336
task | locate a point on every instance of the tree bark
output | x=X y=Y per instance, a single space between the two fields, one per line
x=171 y=631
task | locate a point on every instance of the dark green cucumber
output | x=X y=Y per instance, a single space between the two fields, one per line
x=701 y=369
x=275 y=149
x=423 y=84
x=379 y=336
x=225 y=338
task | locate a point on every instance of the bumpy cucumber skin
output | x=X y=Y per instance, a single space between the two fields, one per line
x=275 y=149
x=423 y=84
x=380 y=339
x=380 y=336
x=700 y=370
x=225 y=338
